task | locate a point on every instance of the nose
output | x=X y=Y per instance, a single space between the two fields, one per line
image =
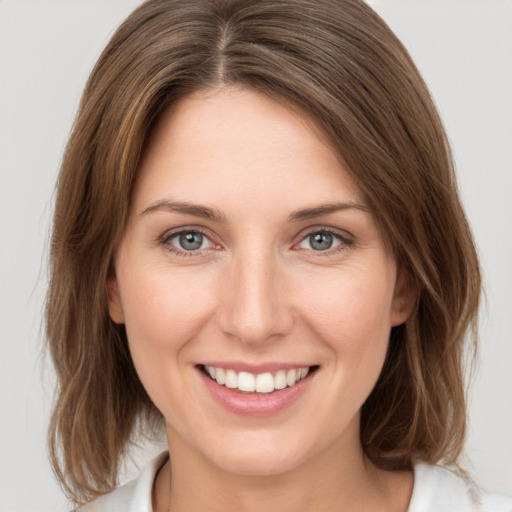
x=255 y=306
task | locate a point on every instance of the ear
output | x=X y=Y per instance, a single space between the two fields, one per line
x=404 y=297
x=114 y=300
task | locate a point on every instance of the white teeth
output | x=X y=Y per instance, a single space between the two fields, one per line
x=260 y=383
x=246 y=382
x=303 y=372
x=231 y=379
x=220 y=375
x=291 y=377
x=279 y=380
x=265 y=383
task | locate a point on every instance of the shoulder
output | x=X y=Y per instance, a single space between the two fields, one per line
x=135 y=496
x=441 y=489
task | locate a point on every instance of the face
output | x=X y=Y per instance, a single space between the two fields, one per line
x=254 y=285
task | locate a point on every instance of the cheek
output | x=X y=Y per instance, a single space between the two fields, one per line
x=349 y=306
x=350 y=315
x=163 y=310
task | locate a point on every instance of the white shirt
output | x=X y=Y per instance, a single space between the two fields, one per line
x=436 y=489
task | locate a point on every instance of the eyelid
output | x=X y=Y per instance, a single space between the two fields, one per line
x=342 y=233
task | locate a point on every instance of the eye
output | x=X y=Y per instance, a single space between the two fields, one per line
x=322 y=240
x=188 y=241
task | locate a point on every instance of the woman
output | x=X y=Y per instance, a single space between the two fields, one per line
x=258 y=242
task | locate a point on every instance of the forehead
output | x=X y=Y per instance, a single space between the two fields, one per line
x=234 y=143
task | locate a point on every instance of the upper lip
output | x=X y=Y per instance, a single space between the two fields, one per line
x=256 y=368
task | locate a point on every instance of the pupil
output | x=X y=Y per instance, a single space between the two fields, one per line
x=191 y=241
x=321 y=241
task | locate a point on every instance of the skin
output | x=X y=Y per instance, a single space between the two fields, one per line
x=257 y=291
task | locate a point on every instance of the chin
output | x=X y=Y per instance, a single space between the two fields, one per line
x=257 y=466
x=259 y=458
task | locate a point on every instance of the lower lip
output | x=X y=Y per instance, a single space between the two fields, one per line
x=256 y=404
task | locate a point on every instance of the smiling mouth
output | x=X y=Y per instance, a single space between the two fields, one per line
x=264 y=383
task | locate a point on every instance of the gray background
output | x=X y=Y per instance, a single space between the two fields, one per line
x=47 y=47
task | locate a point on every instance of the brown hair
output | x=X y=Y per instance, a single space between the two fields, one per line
x=338 y=62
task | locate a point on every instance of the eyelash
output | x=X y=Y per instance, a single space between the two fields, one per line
x=345 y=241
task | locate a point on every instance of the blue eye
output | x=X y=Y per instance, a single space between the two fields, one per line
x=320 y=241
x=189 y=241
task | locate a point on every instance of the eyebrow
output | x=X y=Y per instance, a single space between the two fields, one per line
x=206 y=212
x=325 y=209
x=196 y=210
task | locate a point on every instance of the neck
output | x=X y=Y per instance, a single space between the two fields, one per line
x=335 y=479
